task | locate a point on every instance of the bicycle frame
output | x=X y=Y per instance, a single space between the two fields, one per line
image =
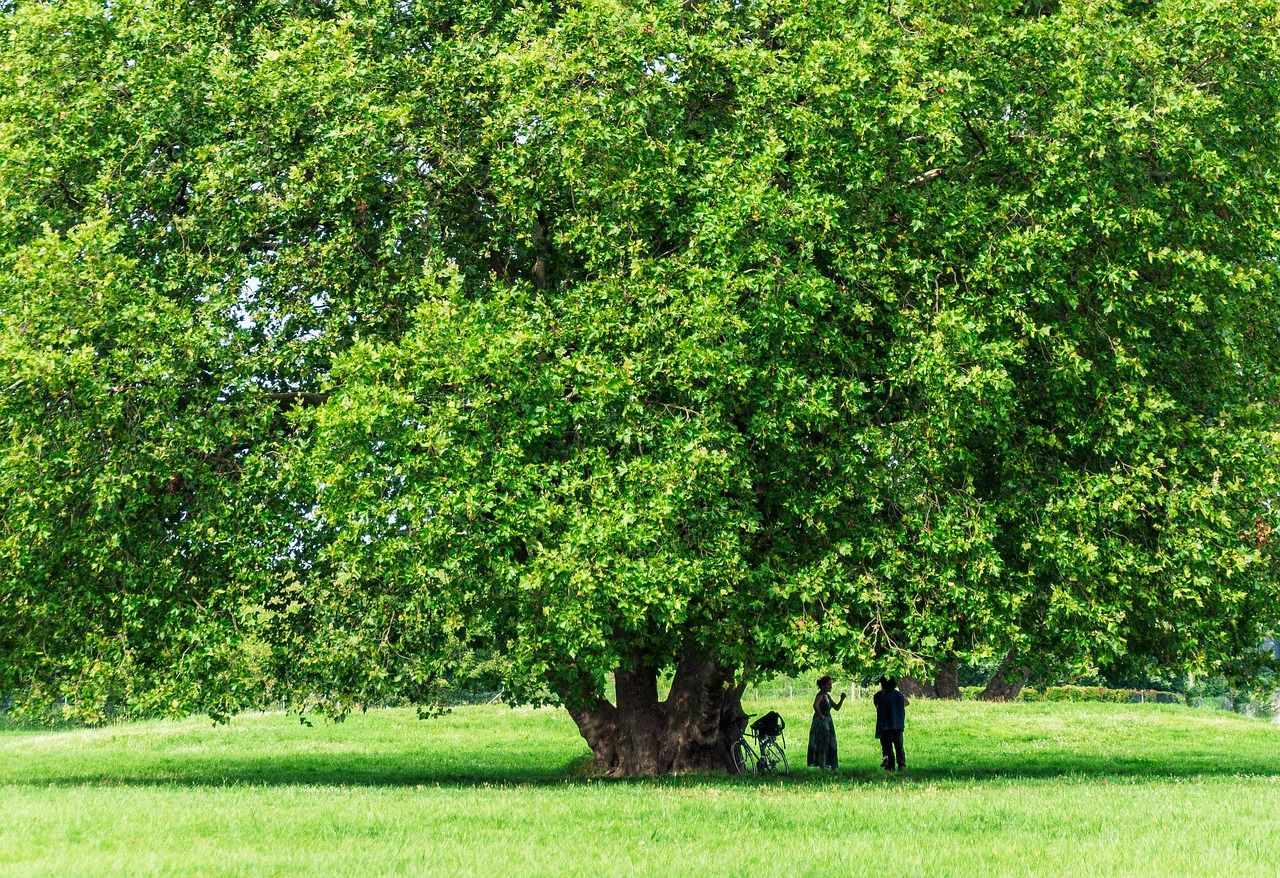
x=753 y=753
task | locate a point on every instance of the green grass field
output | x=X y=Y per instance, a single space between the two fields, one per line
x=1019 y=789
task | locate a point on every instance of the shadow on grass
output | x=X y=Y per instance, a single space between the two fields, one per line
x=311 y=771
x=539 y=750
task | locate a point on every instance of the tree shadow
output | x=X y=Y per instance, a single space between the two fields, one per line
x=420 y=773
x=489 y=749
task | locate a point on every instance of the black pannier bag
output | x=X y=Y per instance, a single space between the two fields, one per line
x=770 y=725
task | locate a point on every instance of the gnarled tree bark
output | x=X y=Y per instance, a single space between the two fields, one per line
x=945 y=685
x=641 y=736
x=1007 y=681
x=913 y=688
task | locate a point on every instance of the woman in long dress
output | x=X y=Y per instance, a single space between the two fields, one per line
x=822 y=731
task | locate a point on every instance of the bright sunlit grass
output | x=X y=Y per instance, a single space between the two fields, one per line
x=1063 y=789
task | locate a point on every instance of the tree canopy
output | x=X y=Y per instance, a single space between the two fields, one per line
x=340 y=338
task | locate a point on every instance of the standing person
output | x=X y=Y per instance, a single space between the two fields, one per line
x=891 y=719
x=822 y=731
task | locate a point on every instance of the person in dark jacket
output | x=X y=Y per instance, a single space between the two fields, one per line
x=822 y=731
x=891 y=719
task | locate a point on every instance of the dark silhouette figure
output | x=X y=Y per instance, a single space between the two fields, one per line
x=891 y=719
x=822 y=731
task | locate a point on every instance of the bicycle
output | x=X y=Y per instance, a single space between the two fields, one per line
x=764 y=750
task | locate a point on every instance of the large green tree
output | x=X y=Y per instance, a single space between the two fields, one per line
x=717 y=339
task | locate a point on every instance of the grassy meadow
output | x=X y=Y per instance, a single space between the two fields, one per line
x=1018 y=789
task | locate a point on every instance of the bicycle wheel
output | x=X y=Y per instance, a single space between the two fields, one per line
x=744 y=757
x=773 y=759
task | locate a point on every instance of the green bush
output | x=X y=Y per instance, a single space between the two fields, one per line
x=1100 y=693
x=1087 y=693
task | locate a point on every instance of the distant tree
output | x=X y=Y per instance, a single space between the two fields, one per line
x=338 y=339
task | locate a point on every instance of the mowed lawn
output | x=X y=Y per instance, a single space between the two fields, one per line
x=1020 y=789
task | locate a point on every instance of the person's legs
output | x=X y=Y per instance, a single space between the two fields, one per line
x=886 y=751
x=897 y=746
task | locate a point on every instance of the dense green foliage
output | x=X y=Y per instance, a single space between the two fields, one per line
x=338 y=338
x=993 y=790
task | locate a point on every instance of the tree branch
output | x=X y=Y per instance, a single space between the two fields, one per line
x=927 y=176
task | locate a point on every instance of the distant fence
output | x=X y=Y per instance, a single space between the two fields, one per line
x=791 y=688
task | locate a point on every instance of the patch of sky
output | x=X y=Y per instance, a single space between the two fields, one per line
x=1015 y=114
x=667 y=66
x=139 y=218
x=240 y=311
x=526 y=132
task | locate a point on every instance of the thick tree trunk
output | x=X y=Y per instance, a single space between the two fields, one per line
x=913 y=688
x=945 y=685
x=1007 y=681
x=640 y=735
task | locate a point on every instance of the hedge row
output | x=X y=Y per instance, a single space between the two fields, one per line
x=1088 y=693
